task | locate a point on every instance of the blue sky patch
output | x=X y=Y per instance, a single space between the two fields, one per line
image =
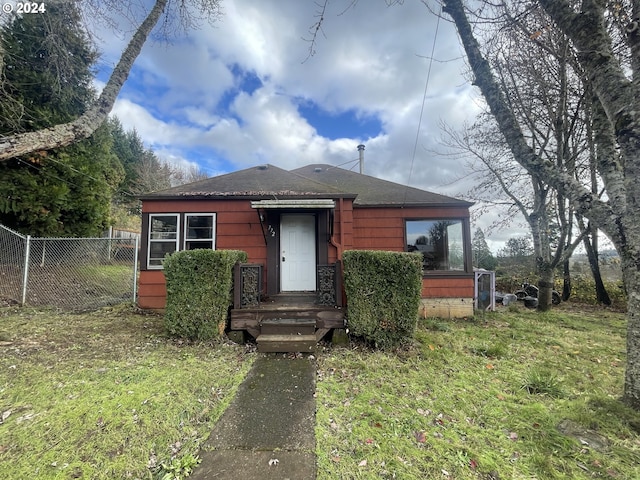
x=245 y=81
x=347 y=124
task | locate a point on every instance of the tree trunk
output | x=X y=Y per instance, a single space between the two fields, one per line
x=619 y=215
x=545 y=286
x=631 y=275
x=591 y=247
x=566 y=283
x=84 y=126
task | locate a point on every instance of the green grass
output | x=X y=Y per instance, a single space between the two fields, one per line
x=102 y=273
x=482 y=399
x=106 y=395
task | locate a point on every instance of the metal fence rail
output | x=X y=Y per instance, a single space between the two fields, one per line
x=12 y=262
x=69 y=273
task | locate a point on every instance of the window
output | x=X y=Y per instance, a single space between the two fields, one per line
x=199 y=231
x=441 y=243
x=163 y=237
x=166 y=234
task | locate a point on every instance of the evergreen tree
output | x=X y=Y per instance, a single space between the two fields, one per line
x=47 y=63
x=482 y=256
x=47 y=72
x=143 y=171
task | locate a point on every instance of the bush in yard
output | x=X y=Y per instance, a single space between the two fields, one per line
x=199 y=284
x=583 y=290
x=383 y=295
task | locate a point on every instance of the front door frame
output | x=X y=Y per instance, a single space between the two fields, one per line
x=300 y=229
x=273 y=242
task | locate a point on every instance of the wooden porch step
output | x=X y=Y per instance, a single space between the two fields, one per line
x=288 y=326
x=286 y=343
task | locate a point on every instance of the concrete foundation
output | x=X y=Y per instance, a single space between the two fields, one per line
x=446 y=307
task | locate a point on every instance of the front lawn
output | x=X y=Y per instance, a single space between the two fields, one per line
x=510 y=395
x=106 y=395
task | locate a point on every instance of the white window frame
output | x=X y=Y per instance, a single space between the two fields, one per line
x=213 y=229
x=175 y=241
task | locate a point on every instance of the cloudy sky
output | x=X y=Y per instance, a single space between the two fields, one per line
x=245 y=91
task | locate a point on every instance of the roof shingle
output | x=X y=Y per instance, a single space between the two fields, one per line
x=316 y=180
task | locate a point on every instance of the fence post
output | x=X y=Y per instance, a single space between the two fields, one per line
x=109 y=245
x=135 y=270
x=25 y=274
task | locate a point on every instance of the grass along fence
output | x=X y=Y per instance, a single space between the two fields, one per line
x=69 y=273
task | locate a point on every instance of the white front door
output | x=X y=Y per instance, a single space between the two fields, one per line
x=297 y=253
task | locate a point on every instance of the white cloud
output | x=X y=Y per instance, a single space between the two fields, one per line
x=370 y=59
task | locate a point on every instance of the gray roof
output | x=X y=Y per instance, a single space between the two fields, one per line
x=373 y=191
x=311 y=181
x=264 y=181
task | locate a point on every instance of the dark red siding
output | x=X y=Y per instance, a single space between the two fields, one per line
x=237 y=227
x=383 y=228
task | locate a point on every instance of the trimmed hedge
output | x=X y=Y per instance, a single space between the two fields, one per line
x=383 y=295
x=199 y=284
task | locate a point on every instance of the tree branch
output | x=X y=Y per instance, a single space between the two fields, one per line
x=84 y=126
x=584 y=200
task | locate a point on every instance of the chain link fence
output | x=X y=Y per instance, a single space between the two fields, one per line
x=69 y=273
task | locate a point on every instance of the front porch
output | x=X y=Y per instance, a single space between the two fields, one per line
x=287 y=322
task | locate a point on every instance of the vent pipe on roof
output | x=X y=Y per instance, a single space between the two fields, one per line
x=361 y=156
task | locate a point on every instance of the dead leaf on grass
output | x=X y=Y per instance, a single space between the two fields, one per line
x=420 y=436
x=363 y=463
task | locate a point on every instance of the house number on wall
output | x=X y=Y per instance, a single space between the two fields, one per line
x=271 y=231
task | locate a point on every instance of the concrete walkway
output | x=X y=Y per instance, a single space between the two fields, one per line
x=267 y=433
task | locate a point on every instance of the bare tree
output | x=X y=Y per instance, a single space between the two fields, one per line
x=610 y=68
x=182 y=174
x=547 y=99
x=184 y=12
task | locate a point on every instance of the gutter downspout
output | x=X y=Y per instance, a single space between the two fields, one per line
x=340 y=249
x=339 y=246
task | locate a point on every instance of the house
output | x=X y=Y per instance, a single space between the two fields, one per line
x=295 y=226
